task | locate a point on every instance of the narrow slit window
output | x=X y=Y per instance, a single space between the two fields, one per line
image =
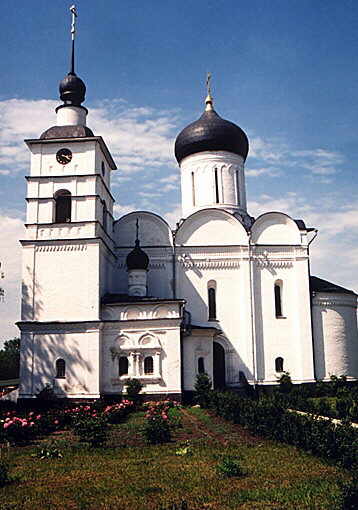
x=279 y=364
x=212 y=303
x=104 y=209
x=201 y=366
x=63 y=206
x=193 y=186
x=123 y=366
x=60 y=369
x=148 y=365
x=278 y=300
x=216 y=186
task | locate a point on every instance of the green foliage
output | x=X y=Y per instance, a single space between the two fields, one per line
x=92 y=430
x=187 y=449
x=202 y=389
x=10 y=359
x=4 y=473
x=350 y=494
x=133 y=388
x=269 y=417
x=230 y=467
x=49 y=451
x=285 y=382
x=181 y=506
x=47 y=394
x=157 y=431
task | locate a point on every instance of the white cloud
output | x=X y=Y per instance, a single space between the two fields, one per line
x=333 y=253
x=272 y=157
x=138 y=138
x=12 y=229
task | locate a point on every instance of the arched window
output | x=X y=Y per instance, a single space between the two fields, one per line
x=212 y=303
x=62 y=206
x=279 y=364
x=278 y=298
x=201 y=365
x=123 y=366
x=216 y=186
x=60 y=369
x=148 y=365
x=193 y=187
x=104 y=209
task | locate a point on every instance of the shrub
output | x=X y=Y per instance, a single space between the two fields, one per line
x=229 y=467
x=350 y=494
x=343 y=406
x=4 y=473
x=50 y=451
x=202 y=389
x=268 y=417
x=157 y=427
x=91 y=429
x=285 y=382
x=133 y=388
x=118 y=412
x=47 y=394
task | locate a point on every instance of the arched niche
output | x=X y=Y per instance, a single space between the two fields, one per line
x=161 y=312
x=132 y=313
x=153 y=230
x=123 y=342
x=149 y=341
x=211 y=227
x=275 y=228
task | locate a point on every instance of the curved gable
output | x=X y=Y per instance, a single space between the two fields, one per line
x=153 y=230
x=211 y=227
x=275 y=228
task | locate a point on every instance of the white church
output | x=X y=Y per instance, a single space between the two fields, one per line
x=104 y=300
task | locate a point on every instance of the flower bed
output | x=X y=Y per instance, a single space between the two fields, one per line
x=17 y=428
x=159 y=421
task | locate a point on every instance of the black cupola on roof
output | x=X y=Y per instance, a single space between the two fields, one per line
x=211 y=133
x=137 y=258
x=72 y=89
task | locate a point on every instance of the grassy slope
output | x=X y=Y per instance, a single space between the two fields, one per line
x=128 y=474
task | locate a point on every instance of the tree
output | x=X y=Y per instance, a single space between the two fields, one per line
x=10 y=359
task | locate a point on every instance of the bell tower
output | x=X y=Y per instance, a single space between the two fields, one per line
x=69 y=213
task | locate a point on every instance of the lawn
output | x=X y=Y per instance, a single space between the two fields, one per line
x=129 y=474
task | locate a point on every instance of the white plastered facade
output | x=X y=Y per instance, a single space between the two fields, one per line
x=75 y=285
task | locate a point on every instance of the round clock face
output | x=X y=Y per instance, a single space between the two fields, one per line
x=64 y=156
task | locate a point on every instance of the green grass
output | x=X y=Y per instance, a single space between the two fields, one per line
x=129 y=474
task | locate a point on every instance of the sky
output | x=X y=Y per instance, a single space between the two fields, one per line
x=284 y=70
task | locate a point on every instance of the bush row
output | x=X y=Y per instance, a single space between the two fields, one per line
x=269 y=417
x=87 y=421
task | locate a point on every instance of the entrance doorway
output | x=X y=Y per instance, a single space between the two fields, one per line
x=218 y=366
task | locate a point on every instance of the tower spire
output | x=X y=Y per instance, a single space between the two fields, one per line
x=73 y=11
x=209 y=101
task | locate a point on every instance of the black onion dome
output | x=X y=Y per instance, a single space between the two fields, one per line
x=137 y=258
x=72 y=90
x=211 y=133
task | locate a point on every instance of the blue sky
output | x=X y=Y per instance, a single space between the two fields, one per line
x=285 y=71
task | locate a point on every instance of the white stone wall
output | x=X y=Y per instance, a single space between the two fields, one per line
x=137 y=331
x=198 y=182
x=335 y=335
x=78 y=346
x=61 y=281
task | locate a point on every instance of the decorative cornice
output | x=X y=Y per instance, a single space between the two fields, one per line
x=208 y=263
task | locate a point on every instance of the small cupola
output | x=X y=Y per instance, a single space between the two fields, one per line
x=137 y=266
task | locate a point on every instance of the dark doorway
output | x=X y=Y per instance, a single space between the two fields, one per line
x=218 y=366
